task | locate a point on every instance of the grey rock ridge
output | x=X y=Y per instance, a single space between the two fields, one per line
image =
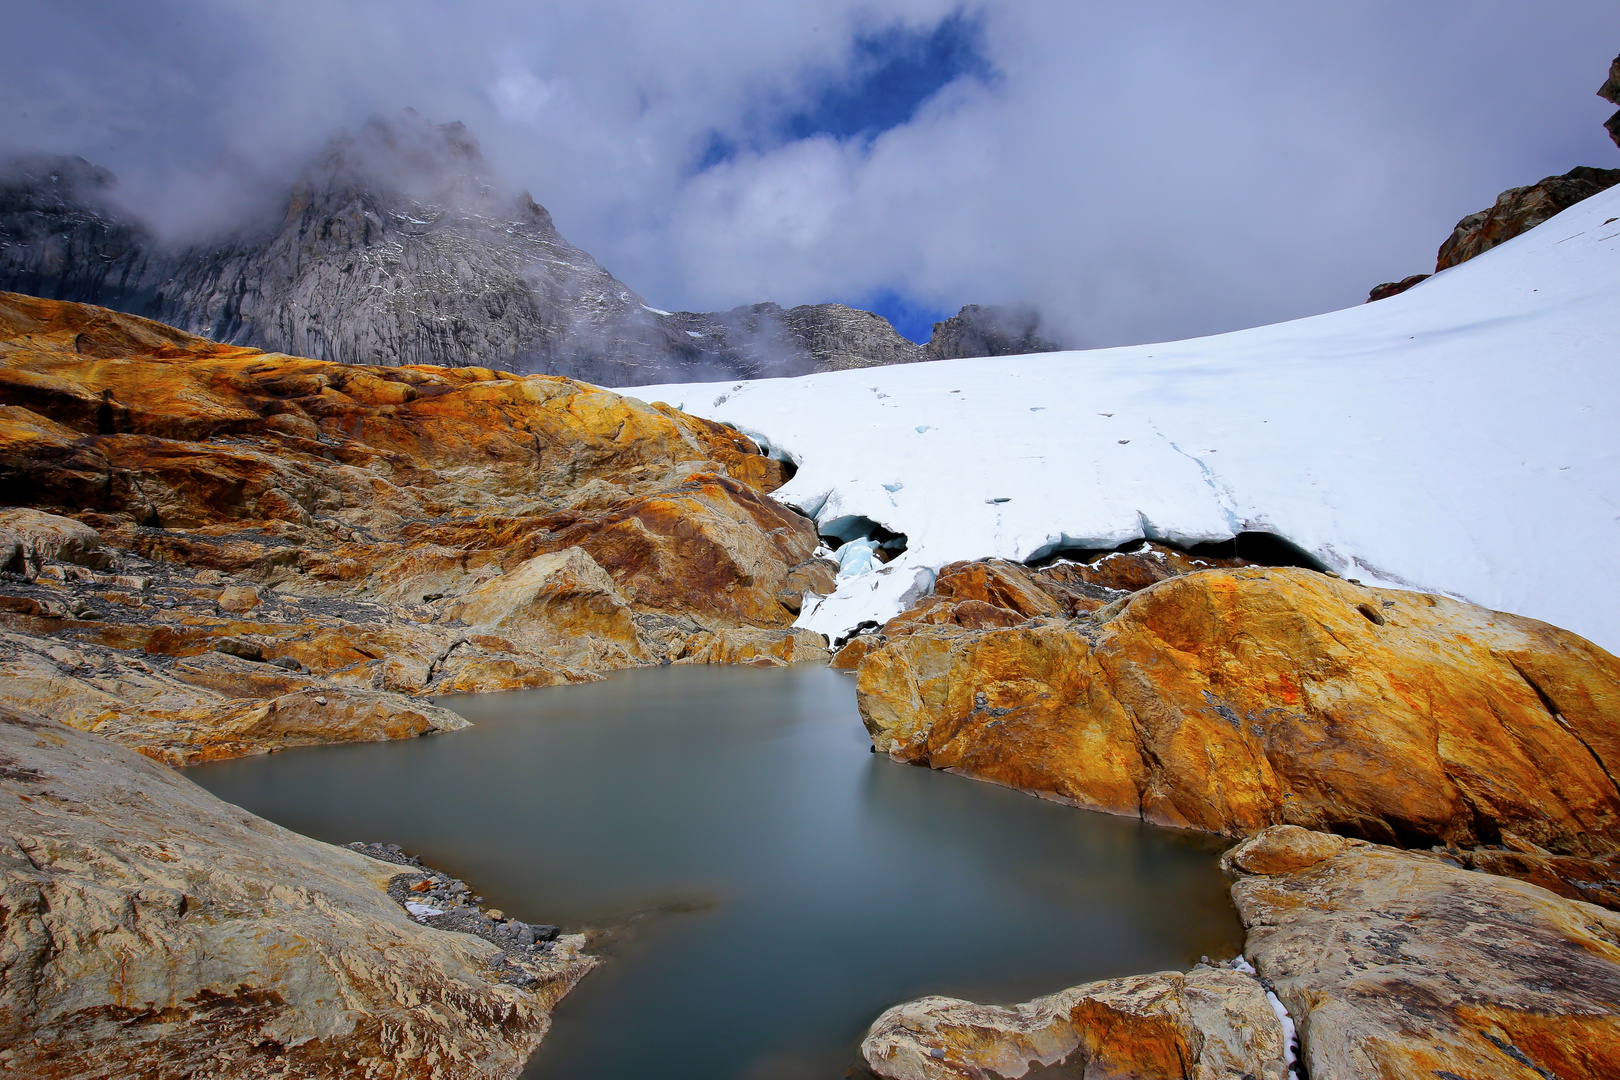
x=989 y=331
x=398 y=246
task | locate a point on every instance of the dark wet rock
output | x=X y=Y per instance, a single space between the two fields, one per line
x=1521 y=209
x=436 y=899
x=1395 y=288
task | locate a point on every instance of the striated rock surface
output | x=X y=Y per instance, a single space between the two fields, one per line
x=1229 y=700
x=258 y=526
x=1209 y=1024
x=1521 y=209
x=152 y=930
x=1402 y=964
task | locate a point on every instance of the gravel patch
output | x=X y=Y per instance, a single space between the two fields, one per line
x=443 y=902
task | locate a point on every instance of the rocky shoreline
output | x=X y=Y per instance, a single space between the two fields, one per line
x=154 y=930
x=223 y=551
x=214 y=551
x=218 y=552
x=1427 y=789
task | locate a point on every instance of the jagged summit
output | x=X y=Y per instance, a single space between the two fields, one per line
x=397 y=244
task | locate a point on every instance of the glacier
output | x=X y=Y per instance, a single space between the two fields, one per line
x=1458 y=438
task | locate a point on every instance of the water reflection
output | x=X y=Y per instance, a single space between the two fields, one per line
x=780 y=885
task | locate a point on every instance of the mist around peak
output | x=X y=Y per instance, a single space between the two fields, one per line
x=398 y=243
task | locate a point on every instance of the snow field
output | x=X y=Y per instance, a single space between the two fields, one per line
x=1458 y=438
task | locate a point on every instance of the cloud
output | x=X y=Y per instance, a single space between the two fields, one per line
x=1138 y=171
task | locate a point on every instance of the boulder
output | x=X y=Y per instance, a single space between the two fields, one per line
x=238 y=599
x=31 y=538
x=1519 y=210
x=1404 y=964
x=815 y=577
x=989 y=593
x=757 y=648
x=1231 y=700
x=1209 y=1024
x=560 y=605
x=154 y=930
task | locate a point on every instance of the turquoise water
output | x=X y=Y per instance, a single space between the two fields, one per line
x=764 y=884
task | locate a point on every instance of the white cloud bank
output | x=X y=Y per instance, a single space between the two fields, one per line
x=1141 y=172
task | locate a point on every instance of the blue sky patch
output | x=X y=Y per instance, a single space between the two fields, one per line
x=891 y=73
x=895 y=70
x=914 y=321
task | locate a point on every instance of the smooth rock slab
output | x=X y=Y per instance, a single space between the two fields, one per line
x=148 y=929
x=1401 y=964
x=1207 y=1024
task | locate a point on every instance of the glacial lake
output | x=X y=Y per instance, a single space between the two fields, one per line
x=769 y=884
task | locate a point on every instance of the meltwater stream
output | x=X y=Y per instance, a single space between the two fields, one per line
x=773 y=885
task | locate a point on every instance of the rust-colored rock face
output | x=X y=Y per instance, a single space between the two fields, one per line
x=1230 y=700
x=990 y=593
x=1519 y=210
x=1209 y=1024
x=1403 y=964
x=279 y=524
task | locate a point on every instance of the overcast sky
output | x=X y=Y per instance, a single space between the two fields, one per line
x=1139 y=171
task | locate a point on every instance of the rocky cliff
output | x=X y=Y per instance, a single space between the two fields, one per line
x=1521 y=209
x=398 y=246
x=222 y=551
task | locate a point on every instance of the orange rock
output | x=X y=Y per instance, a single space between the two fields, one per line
x=562 y=606
x=850 y=656
x=1230 y=700
x=1086 y=586
x=465 y=529
x=759 y=648
x=992 y=593
x=1207 y=1023
x=238 y=599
